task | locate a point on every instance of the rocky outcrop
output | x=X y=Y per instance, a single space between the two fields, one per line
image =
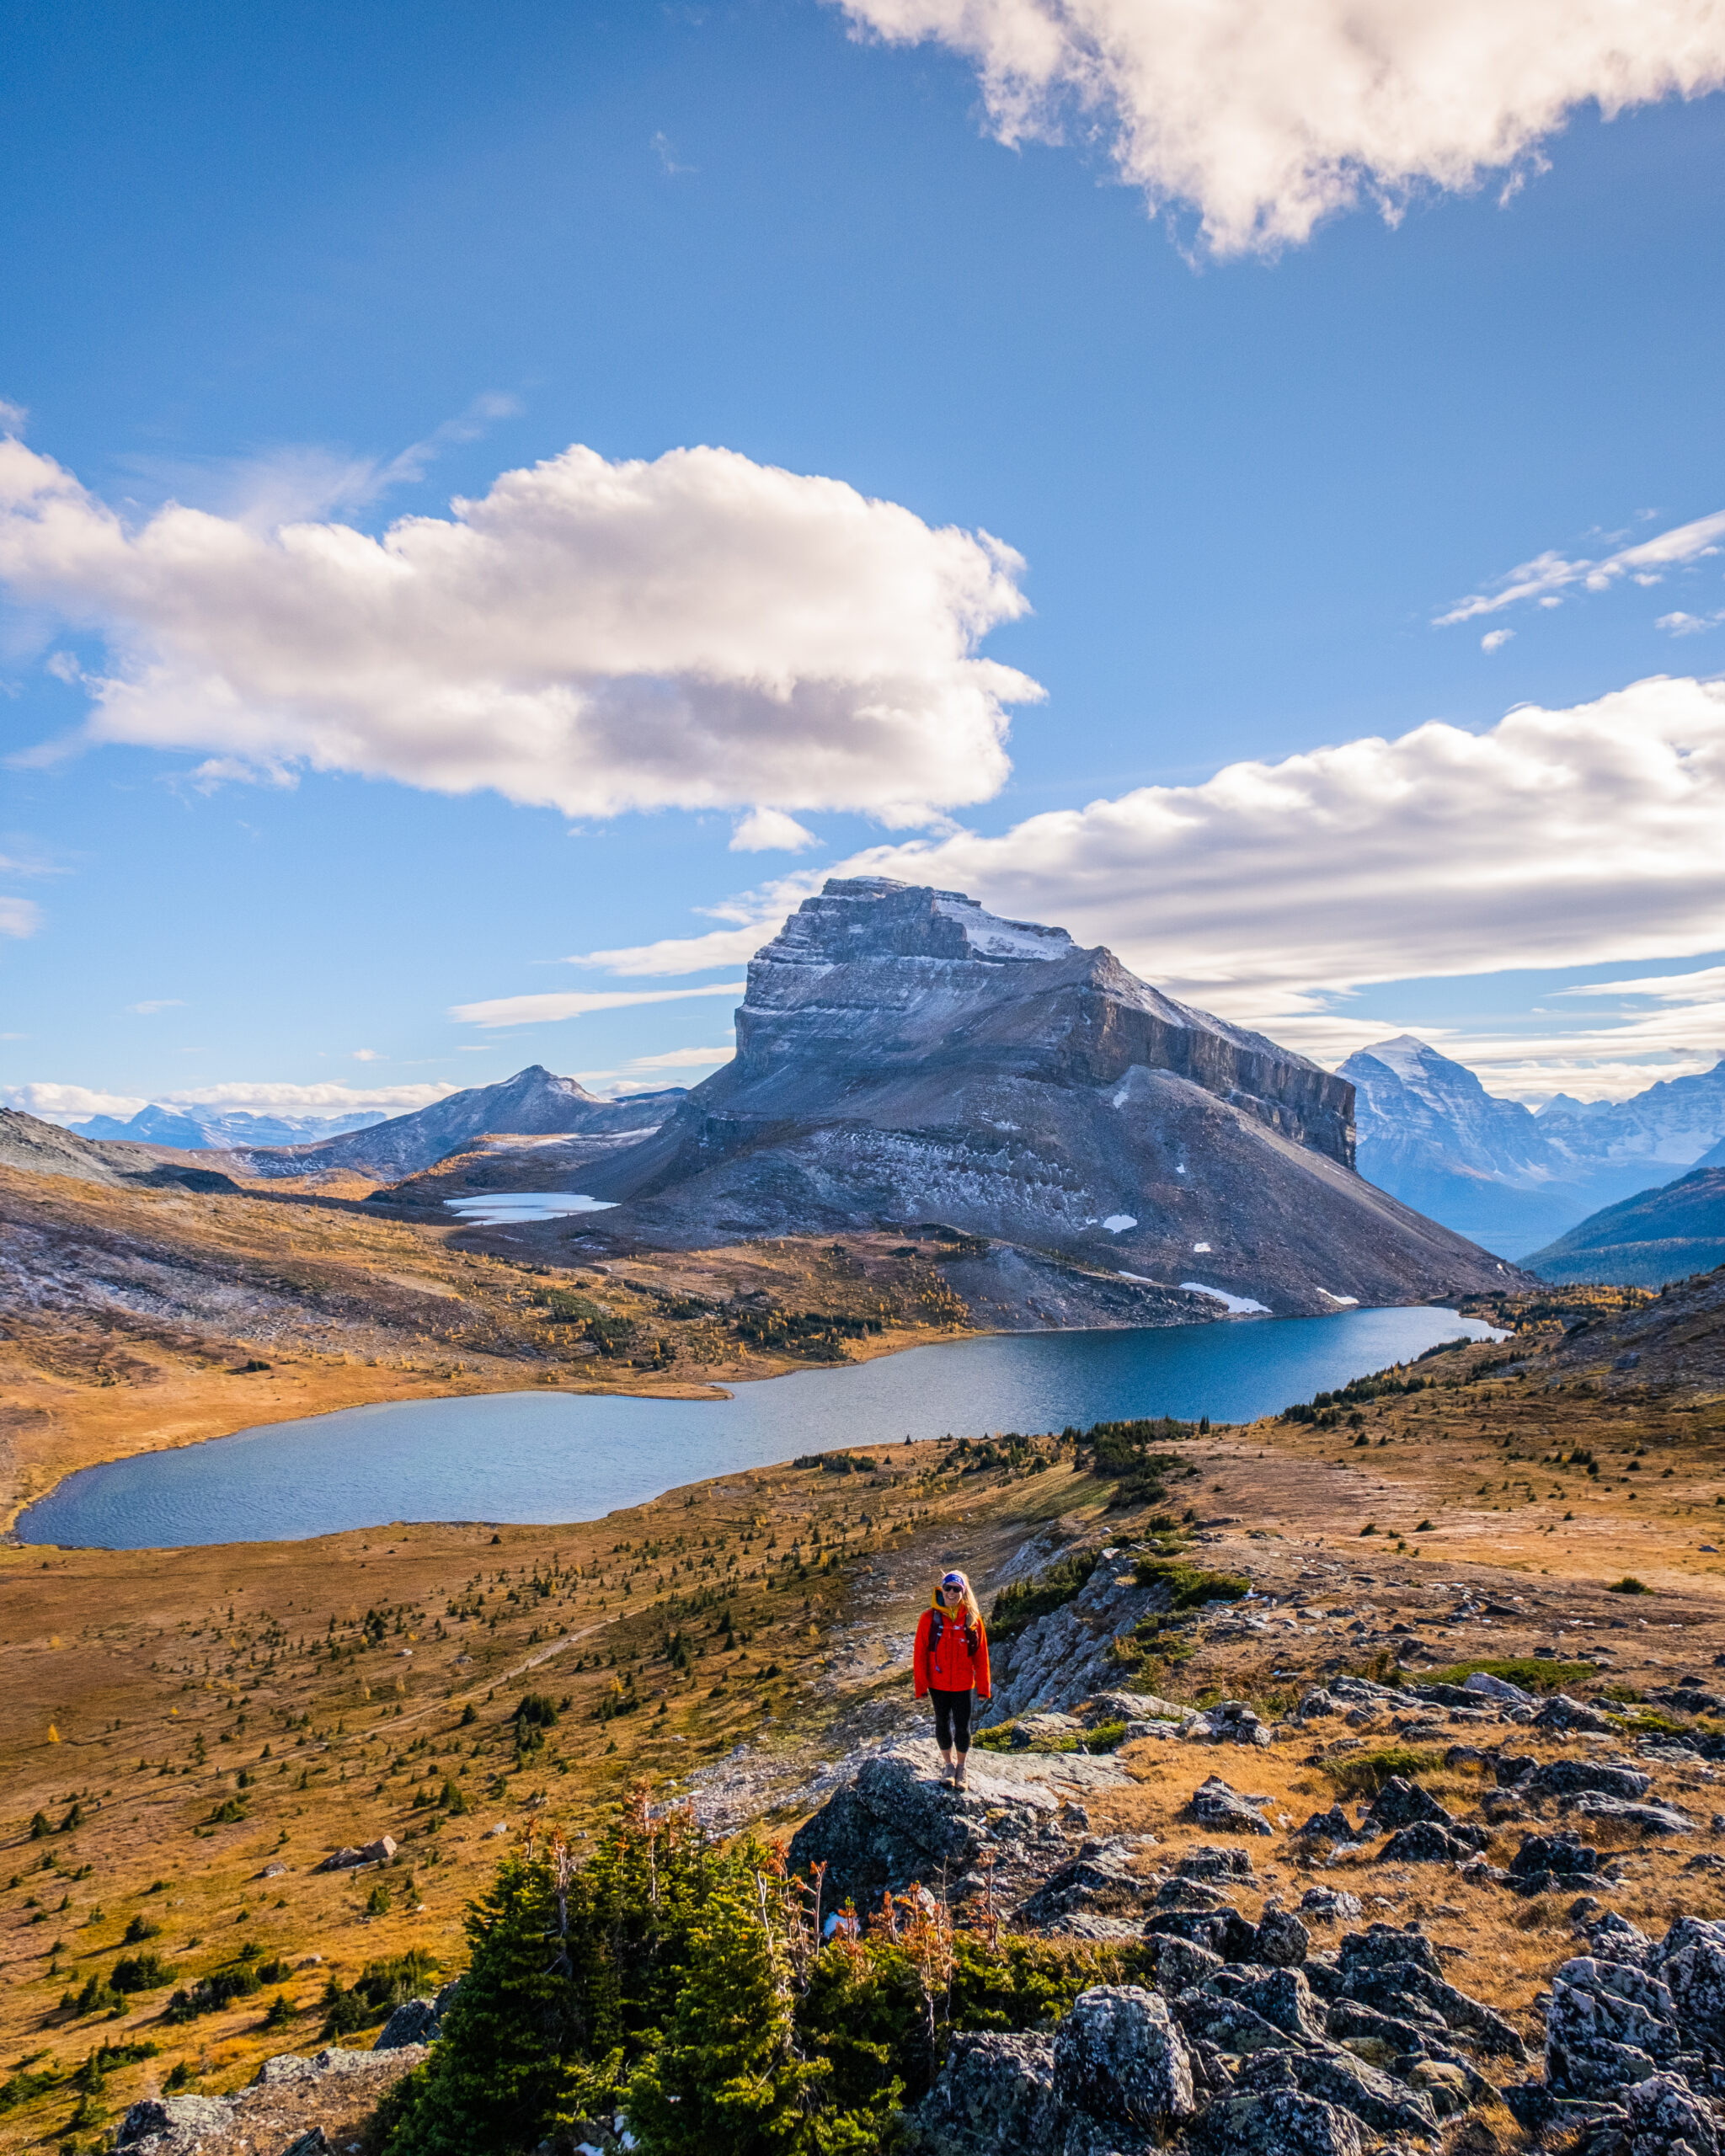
x=1111 y=2081
x=1635 y=2042
x=350 y=1859
x=1244 y=2057
x=292 y=2103
x=903 y=1058
x=894 y=1827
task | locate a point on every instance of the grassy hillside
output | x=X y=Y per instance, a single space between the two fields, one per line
x=1653 y=1237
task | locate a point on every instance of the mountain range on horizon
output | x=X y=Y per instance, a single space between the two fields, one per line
x=197 y=1129
x=1505 y=1175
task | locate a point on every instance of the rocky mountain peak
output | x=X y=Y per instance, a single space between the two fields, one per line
x=905 y=1056
x=875 y=917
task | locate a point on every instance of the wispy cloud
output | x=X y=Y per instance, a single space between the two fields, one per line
x=300 y=480
x=685 y=1059
x=543 y=1010
x=1546 y=579
x=160 y=1003
x=19 y=917
x=1680 y=624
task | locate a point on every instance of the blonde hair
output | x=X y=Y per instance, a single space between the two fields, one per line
x=973 y=1609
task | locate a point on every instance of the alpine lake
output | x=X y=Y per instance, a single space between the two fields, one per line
x=544 y=1458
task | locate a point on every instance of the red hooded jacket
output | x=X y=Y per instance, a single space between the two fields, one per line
x=956 y=1658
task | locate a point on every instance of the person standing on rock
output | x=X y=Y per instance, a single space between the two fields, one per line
x=951 y=1664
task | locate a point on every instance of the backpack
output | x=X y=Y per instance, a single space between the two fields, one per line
x=972 y=1639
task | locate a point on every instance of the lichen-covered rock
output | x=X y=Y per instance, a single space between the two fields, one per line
x=1098 y=1881
x=1403 y=1803
x=1336 y=2076
x=1560 y=1712
x=995 y=2096
x=1664 y=2114
x=1284 y=1998
x=1608 y=2026
x=1580 y=1777
x=1204 y=1862
x=1283 y=1941
x=1693 y=1969
x=1182 y=1963
x=1425 y=1841
x=1332 y=1826
x=1651 y=1818
x=173 y=2115
x=1551 y=1863
x=1330 y=1905
x=894 y=1827
x=1279 y=2122
x=1215 y=1804
x=1119 y=2056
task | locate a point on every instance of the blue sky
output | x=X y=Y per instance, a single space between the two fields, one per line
x=340 y=267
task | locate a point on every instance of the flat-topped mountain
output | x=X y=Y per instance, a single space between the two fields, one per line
x=534 y=1103
x=905 y=1058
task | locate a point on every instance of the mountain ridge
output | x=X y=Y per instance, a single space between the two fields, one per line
x=534 y=1102
x=904 y=1057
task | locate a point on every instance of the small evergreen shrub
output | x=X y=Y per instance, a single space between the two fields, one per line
x=1363 y=1774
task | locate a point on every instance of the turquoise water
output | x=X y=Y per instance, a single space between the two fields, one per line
x=546 y=1457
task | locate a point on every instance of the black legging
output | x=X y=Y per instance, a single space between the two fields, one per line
x=952 y=1720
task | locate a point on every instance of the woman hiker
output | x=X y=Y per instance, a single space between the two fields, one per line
x=951 y=1662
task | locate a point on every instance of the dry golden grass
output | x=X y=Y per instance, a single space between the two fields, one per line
x=139 y=1684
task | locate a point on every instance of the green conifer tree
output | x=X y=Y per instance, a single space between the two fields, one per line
x=503 y=2074
x=727 y=2080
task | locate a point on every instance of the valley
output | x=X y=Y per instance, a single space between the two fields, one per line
x=194 y=1732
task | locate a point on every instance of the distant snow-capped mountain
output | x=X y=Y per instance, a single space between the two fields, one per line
x=202 y=1129
x=1430 y=1135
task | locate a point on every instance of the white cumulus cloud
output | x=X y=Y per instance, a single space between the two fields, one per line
x=697 y=632
x=770 y=830
x=1274 y=890
x=1266 y=115
x=1556 y=838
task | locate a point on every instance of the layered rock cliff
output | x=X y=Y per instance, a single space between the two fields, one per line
x=905 y=1058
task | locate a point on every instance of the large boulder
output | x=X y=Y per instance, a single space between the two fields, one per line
x=1609 y=2026
x=1579 y=1777
x=1401 y=1803
x=1664 y=2113
x=1279 y=2122
x=995 y=2096
x=1215 y=1804
x=1118 y=2056
x=1693 y=1972
x=895 y=1826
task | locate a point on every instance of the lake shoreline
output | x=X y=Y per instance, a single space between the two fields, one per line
x=552 y=1454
